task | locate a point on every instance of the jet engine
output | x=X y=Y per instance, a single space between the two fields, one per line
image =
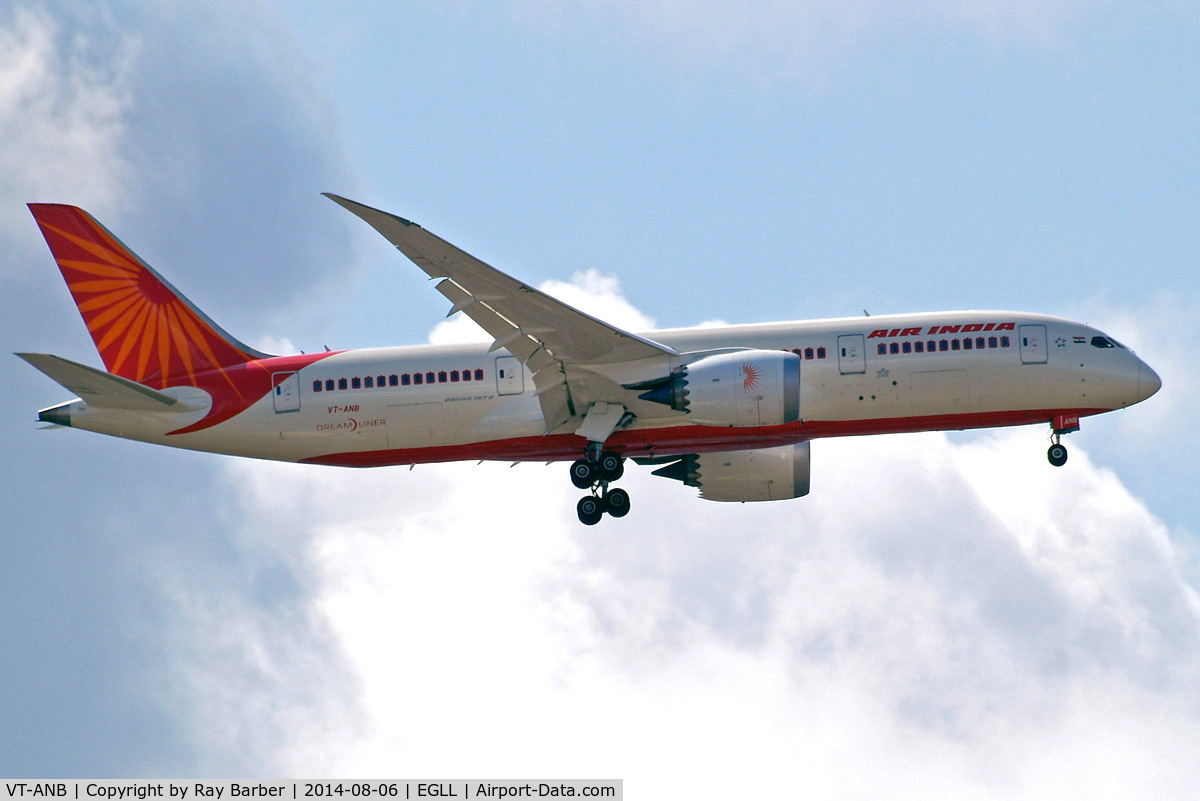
x=742 y=388
x=766 y=474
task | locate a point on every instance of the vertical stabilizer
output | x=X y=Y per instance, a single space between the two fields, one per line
x=144 y=329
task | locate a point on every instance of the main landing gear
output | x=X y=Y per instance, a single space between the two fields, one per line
x=595 y=471
x=1061 y=424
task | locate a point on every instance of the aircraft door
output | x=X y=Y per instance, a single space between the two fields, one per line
x=287 y=392
x=510 y=376
x=1033 y=344
x=852 y=358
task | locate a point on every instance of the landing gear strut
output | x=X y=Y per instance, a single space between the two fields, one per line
x=1061 y=424
x=596 y=470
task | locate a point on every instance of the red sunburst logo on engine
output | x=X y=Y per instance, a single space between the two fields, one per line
x=750 y=379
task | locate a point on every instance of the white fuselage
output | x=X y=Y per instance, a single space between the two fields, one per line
x=858 y=375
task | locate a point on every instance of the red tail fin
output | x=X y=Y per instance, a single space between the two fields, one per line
x=144 y=329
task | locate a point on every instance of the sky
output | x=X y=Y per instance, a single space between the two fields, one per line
x=945 y=613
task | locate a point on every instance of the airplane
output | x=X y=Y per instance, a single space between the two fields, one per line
x=729 y=410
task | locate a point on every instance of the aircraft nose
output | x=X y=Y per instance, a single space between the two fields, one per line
x=1148 y=381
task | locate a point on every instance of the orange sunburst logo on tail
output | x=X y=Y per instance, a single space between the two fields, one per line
x=142 y=328
x=749 y=376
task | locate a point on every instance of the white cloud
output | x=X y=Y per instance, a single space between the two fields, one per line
x=1156 y=441
x=62 y=119
x=957 y=616
x=589 y=291
x=935 y=615
x=181 y=135
x=600 y=296
x=179 y=126
x=278 y=346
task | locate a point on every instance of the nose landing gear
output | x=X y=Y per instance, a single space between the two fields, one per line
x=596 y=471
x=1061 y=424
x=1057 y=453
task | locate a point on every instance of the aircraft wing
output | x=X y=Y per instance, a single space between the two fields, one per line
x=547 y=335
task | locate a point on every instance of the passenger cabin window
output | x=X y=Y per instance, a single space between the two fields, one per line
x=479 y=375
x=316 y=386
x=369 y=382
x=343 y=383
x=356 y=383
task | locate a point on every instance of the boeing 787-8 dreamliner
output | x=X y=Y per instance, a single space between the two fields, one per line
x=728 y=410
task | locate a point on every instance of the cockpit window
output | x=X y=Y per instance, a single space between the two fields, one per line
x=1103 y=342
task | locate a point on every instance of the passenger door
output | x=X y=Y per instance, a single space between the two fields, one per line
x=510 y=376
x=852 y=359
x=287 y=392
x=1033 y=344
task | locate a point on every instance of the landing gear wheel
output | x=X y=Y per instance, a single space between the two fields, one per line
x=612 y=466
x=616 y=502
x=590 y=510
x=1057 y=454
x=583 y=473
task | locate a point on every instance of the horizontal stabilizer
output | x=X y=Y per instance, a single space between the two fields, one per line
x=99 y=388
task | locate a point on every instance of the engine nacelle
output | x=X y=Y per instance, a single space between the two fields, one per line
x=766 y=474
x=743 y=388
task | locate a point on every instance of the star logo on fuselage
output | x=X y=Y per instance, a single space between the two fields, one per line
x=882 y=373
